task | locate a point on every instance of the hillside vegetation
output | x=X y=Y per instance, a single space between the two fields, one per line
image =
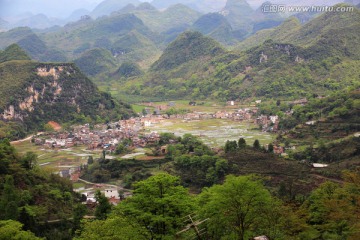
x=282 y=67
x=34 y=93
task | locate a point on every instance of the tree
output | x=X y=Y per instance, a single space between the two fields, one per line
x=271 y=148
x=103 y=208
x=9 y=200
x=12 y=230
x=333 y=211
x=27 y=219
x=120 y=149
x=90 y=160
x=159 y=203
x=235 y=208
x=242 y=143
x=29 y=160
x=256 y=144
x=78 y=214
x=116 y=227
x=230 y=146
x=7 y=155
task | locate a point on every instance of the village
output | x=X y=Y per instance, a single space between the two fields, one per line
x=106 y=138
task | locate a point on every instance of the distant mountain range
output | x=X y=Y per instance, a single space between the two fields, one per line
x=149 y=47
x=18 y=15
x=288 y=62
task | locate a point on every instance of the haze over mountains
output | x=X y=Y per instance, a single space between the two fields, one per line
x=145 y=48
x=44 y=14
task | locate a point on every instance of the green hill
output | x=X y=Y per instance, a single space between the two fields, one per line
x=274 y=69
x=34 y=93
x=108 y=6
x=326 y=28
x=188 y=46
x=13 y=36
x=95 y=61
x=172 y=17
x=128 y=69
x=33 y=196
x=13 y=52
x=239 y=14
x=38 y=50
x=135 y=47
x=215 y=26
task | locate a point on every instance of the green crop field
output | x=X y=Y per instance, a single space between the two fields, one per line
x=214 y=132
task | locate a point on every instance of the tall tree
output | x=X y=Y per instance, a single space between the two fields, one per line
x=103 y=208
x=236 y=208
x=29 y=160
x=159 y=203
x=271 y=148
x=242 y=143
x=256 y=144
x=116 y=227
x=12 y=230
x=9 y=200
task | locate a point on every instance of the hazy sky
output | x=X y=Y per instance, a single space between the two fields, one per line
x=63 y=8
x=54 y=8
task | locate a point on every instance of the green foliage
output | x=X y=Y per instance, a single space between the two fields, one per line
x=11 y=230
x=256 y=144
x=188 y=46
x=200 y=171
x=69 y=104
x=127 y=170
x=158 y=204
x=230 y=146
x=13 y=52
x=189 y=144
x=29 y=160
x=242 y=143
x=332 y=210
x=9 y=200
x=166 y=138
x=103 y=207
x=216 y=26
x=237 y=209
x=113 y=228
x=95 y=61
x=129 y=69
x=175 y=111
x=31 y=195
x=271 y=148
x=121 y=149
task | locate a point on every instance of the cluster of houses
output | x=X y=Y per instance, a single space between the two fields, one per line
x=102 y=136
x=268 y=123
x=113 y=193
x=108 y=136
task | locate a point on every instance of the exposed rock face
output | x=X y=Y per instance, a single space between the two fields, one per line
x=10 y=114
x=55 y=72
x=263 y=58
x=299 y=59
x=34 y=94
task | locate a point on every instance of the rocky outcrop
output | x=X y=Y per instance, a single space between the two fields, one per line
x=263 y=58
x=10 y=114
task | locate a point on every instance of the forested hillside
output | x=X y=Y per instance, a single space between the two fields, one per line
x=34 y=93
x=316 y=58
x=32 y=197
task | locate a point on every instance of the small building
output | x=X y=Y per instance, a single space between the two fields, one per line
x=319 y=165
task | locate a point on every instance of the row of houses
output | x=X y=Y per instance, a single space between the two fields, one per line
x=102 y=136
